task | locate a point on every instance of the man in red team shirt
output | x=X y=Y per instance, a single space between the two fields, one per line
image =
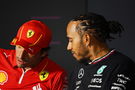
x=28 y=66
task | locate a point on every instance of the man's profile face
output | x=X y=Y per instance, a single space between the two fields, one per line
x=75 y=43
x=25 y=59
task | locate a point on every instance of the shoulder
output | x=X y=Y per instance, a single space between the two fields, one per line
x=121 y=59
x=121 y=63
x=54 y=67
x=74 y=72
x=6 y=52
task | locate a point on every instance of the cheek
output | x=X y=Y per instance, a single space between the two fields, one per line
x=77 y=49
x=82 y=50
x=76 y=46
x=76 y=43
x=33 y=58
x=30 y=56
x=17 y=52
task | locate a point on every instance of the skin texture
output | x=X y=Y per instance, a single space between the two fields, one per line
x=76 y=44
x=84 y=45
x=26 y=60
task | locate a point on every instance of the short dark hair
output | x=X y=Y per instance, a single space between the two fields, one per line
x=45 y=50
x=102 y=28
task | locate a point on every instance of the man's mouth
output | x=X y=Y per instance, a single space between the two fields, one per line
x=73 y=53
x=19 y=61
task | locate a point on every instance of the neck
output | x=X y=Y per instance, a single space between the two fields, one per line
x=26 y=69
x=98 y=52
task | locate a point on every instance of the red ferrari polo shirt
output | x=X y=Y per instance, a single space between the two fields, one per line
x=46 y=76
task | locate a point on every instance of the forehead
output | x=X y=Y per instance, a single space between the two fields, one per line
x=71 y=28
x=19 y=46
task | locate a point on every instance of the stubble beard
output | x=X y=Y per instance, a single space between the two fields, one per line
x=21 y=66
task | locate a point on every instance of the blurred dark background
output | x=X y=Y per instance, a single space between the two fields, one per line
x=57 y=13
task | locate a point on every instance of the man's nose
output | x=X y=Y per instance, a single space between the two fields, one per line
x=69 y=47
x=21 y=54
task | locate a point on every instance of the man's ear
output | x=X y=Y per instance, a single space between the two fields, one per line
x=43 y=54
x=87 y=39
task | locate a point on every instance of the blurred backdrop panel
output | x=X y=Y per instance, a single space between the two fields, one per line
x=124 y=12
x=55 y=13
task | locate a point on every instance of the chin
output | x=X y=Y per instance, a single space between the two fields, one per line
x=83 y=61
x=20 y=65
x=78 y=59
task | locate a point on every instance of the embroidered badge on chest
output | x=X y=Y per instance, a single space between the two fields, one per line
x=3 y=77
x=43 y=75
x=101 y=69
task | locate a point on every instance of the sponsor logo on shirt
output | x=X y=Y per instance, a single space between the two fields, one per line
x=96 y=80
x=94 y=86
x=3 y=77
x=95 y=83
x=77 y=88
x=37 y=87
x=116 y=88
x=120 y=83
x=78 y=82
x=6 y=55
x=43 y=75
x=101 y=69
x=81 y=73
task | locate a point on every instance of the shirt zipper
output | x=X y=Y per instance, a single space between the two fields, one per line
x=21 y=78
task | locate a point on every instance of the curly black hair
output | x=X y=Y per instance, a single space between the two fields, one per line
x=98 y=26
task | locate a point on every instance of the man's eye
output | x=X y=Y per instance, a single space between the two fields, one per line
x=70 y=40
x=19 y=46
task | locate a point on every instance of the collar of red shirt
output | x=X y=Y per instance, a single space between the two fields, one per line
x=40 y=66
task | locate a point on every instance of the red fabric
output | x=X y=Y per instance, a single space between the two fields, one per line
x=10 y=74
x=33 y=35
